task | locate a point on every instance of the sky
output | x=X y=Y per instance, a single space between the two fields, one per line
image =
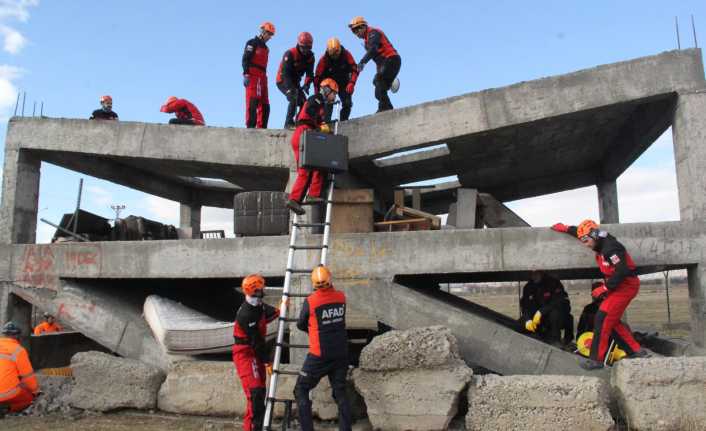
x=68 y=53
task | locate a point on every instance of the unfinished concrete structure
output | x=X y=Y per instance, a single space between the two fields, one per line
x=528 y=139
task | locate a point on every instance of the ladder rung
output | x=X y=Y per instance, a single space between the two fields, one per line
x=299 y=270
x=292 y=346
x=289 y=319
x=288 y=373
x=322 y=201
x=281 y=400
x=307 y=247
x=296 y=295
x=310 y=224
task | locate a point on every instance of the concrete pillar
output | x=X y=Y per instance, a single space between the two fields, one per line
x=608 y=202
x=689 y=136
x=4 y=303
x=462 y=214
x=190 y=219
x=20 y=197
x=20 y=312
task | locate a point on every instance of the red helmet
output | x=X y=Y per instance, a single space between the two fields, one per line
x=252 y=284
x=305 y=39
x=268 y=27
x=106 y=98
x=169 y=100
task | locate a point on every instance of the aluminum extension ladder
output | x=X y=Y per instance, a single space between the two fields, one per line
x=284 y=305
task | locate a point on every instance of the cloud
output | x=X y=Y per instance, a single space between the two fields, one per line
x=159 y=209
x=99 y=195
x=8 y=91
x=217 y=219
x=16 y=9
x=14 y=41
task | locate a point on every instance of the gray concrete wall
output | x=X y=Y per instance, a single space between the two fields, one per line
x=20 y=197
x=608 y=202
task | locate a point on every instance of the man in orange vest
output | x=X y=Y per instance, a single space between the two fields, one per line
x=323 y=317
x=48 y=326
x=18 y=384
x=379 y=49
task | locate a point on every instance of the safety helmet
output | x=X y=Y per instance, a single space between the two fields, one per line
x=106 y=98
x=47 y=315
x=330 y=83
x=268 y=27
x=10 y=328
x=583 y=343
x=320 y=277
x=585 y=228
x=356 y=22
x=305 y=39
x=333 y=47
x=252 y=284
x=169 y=100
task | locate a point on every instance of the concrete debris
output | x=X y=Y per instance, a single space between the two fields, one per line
x=54 y=398
x=206 y=388
x=425 y=347
x=538 y=402
x=415 y=382
x=324 y=406
x=104 y=382
x=662 y=393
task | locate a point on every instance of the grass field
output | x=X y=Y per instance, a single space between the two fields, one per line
x=647 y=311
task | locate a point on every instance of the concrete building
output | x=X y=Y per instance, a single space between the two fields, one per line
x=528 y=139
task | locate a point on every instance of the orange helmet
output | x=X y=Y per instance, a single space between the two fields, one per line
x=321 y=277
x=333 y=47
x=252 y=284
x=356 y=22
x=169 y=100
x=268 y=27
x=585 y=228
x=330 y=83
x=106 y=98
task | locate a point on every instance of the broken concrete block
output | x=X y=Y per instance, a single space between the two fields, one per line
x=412 y=380
x=324 y=406
x=425 y=347
x=207 y=388
x=662 y=393
x=538 y=402
x=105 y=382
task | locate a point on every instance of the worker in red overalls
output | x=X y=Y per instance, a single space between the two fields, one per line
x=379 y=49
x=185 y=111
x=249 y=349
x=296 y=62
x=338 y=63
x=311 y=117
x=621 y=285
x=255 y=56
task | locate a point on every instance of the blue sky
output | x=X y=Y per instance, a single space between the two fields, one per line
x=68 y=53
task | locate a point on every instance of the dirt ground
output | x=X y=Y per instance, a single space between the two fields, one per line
x=647 y=311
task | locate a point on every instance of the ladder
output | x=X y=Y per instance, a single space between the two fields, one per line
x=284 y=305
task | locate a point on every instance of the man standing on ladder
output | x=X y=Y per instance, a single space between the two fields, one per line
x=323 y=317
x=311 y=117
x=249 y=349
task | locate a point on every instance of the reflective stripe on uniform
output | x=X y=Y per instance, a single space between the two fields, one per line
x=11 y=393
x=26 y=376
x=13 y=356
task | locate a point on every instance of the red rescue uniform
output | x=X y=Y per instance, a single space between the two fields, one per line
x=293 y=66
x=388 y=61
x=311 y=116
x=185 y=111
x=344 y=71
x=18 y=384
x=250 y=356
x=257 y=100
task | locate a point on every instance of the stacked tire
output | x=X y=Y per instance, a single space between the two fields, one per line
x=260 y=214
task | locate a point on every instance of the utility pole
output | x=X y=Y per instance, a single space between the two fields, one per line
x=117 y=208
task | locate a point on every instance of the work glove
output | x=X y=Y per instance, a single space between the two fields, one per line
x=599 y=292
x=325 y=128
x=268 y=369
x=349 y=88
x=560 y=227
x=537 y=318
x=246 y=80
x=530 y=326
x=361 y=66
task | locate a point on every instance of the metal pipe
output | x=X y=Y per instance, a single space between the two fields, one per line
x=34 y=108
x=78 y=205
x=41 y=110
x=693 y=28
x=17 y=103
x=68 y=232
x=667 y=283
x=24 y=97
x=676 y=24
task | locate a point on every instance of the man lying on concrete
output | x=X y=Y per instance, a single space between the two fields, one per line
x=106 y=110
x=18 y=384
x=620 y=287
x=546 y=310
x=47 y=326
x=323 y=317
x=185 y=111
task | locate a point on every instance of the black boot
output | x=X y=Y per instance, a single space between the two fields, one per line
x=294 y=206
x=590 y=364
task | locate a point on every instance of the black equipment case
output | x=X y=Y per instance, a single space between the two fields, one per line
x=323 y=151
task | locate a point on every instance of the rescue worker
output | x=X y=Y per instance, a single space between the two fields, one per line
x=311 y=117
x=18 y=384
x=296 y=62
x=185 y=111
x=338 y=64
x=323 y=317
x=255 y=56
x=620 y=286
x=106 y=110
x=545 y=308
x=249 y=349
x=379 y=49
x=48 y=326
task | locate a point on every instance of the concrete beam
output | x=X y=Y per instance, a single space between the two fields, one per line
x=494 y=213
x=190 y=219
x=462 y=213
x=608 y=202
x=20 y=197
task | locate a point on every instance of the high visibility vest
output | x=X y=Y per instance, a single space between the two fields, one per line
x=15 y=370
